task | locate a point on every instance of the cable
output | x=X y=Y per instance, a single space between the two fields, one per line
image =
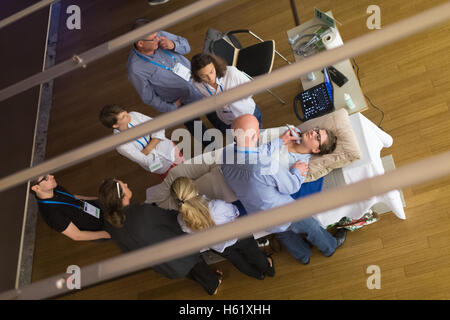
x=370 y=101
x=300 y=48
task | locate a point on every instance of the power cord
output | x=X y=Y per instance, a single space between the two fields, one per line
x=305 y=48
x=370 y=101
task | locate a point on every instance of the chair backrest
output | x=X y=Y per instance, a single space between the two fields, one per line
x=256 y=59
x=213 y=35
x=226 y=51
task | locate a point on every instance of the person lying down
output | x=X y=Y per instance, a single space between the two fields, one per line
x=316 y=141
x=209 y=179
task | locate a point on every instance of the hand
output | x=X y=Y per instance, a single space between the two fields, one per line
x=288 y=137
x=302 y=167
x=178 y=102
x=151 y=146
x=166 y=44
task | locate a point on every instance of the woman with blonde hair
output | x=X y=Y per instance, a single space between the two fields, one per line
x=196 y=213
x=133 y=226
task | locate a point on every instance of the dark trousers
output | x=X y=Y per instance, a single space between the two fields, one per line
x=205 y=276
x=241 y=208
x=190 y=126
x=219 y=124
x=308 y=188
x=246 y=256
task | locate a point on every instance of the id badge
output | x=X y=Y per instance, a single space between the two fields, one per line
x=181 y=71
x=155 y=165
x=92 y=210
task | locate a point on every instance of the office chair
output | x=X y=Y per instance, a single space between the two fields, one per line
x=254 y=60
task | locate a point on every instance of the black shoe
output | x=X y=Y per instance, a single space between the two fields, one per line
x=261 y=276
x=340 y=237
x=271 y=271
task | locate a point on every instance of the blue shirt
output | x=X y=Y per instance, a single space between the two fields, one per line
x=258 y=180
x=294 y=157
x=158 y=87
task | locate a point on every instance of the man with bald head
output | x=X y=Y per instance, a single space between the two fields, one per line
x=260 y=183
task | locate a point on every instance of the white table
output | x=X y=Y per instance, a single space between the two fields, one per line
x=351 y=87
x=371 y=140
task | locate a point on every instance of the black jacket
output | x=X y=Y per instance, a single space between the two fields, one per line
x=146 y=225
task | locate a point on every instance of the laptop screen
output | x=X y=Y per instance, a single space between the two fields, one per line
x=328 y=84
x=317 y=100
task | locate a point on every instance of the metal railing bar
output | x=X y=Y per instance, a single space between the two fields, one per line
x=352 y=48
x=425 y=170
x=106 y=48
x=25 y=12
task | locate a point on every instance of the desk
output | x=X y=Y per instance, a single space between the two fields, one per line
x=351 y=86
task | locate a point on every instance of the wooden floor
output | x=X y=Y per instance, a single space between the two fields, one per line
x=408 y=80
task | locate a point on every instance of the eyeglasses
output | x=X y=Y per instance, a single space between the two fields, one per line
x=318 y=137
x=150 y=40
x=46 y=177
x=155 y=39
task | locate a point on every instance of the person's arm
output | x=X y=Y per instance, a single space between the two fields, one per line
x=150 y=146
x=237 y=77
x=131 y=152
x=155 y=137
x=288 y=181
x=181 y=45
x=161 y=134
x=300 y=167
x=201 y=88
x=233 y=212
x=85 y=197
x=148 y=94
x=287 y=137
x=76 y=234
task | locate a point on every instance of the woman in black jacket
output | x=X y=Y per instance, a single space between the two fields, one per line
x=133 y=226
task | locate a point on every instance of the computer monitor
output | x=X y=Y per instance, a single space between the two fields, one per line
x=315 y=101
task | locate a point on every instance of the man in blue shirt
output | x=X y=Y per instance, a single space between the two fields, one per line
x=157 y=69
x=260 y=183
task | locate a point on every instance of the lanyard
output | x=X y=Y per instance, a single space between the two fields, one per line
x=245 y=151
x=143 y=147
x=59 y=202
x=156 y=63
x=209 y=91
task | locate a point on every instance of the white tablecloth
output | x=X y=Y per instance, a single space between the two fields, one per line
x=371 y=140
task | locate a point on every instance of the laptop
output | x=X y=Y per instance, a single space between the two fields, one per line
x=316 y=101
